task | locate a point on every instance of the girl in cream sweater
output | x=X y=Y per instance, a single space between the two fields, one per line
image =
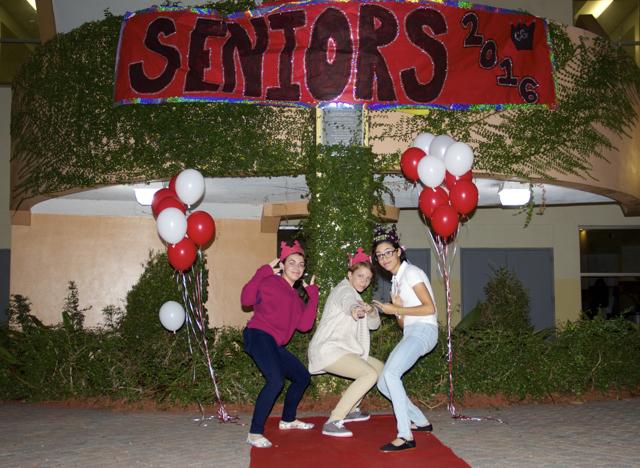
x=340 y=345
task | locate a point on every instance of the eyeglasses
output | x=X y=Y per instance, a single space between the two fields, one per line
x=386 y=254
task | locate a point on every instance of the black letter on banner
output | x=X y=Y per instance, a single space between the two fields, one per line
x=325 y=80
x=199 y=57
x=139 y=81
x=415 y=21
x=288 y=21
x=370 y=62
x=250 y=58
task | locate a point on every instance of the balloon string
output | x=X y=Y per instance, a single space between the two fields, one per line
x=445 y=261
x=191 y=289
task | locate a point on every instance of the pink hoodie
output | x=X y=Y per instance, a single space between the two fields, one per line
x=278 y=310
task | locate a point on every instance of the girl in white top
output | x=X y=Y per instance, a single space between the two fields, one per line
x=413 y=306
x=340 y=344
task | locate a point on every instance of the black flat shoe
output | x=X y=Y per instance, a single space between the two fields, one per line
x=407 y=445
x=427 y=428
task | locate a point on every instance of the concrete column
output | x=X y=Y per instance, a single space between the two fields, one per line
x=5 y=225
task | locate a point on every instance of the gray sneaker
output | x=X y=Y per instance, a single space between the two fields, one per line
x=356 y=415
x=336 y=429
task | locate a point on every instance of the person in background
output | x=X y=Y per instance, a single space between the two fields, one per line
x=412 y=304
x=278 y=313
x=340 y=344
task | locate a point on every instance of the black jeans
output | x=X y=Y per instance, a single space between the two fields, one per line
x=275 y=363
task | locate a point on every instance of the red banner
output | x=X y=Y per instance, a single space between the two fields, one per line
x=378 y=54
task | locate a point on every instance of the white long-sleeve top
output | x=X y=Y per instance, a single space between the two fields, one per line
x=338 y=333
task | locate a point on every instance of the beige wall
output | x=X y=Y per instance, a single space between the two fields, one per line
x=557 y=228
x=239 y=249
x=5 y=151
x=105 y=256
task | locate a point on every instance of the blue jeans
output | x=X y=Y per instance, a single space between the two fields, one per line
x=417 y=341
x=275 y=363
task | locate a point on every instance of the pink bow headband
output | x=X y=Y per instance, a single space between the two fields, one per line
x=285 y=250
x=358 y=257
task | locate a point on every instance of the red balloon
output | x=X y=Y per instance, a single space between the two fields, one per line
x=464 y=196
x=444 y=220
x=409 y=163
x=170 y=202
x=450 y=180
x=172 y=183
x=200 y=227
x=158 y=197
x=432 y=198
x=182 y=255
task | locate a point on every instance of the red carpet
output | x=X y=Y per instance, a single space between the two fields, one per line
x=295 y=448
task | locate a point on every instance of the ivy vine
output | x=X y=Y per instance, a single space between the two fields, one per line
x=596 y=84
x=67 y=134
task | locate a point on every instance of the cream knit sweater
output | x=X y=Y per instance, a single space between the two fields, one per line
x=338 y=333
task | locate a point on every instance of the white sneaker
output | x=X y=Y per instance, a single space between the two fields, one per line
x=258 y=440
x=297 y=424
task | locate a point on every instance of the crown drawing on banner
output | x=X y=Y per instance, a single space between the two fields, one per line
x=522 y=35
x=286 y=250
x=380 y=233
x=358 y=257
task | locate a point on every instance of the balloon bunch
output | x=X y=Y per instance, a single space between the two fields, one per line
x=186 y=235
x=183 y=233
x=436 y=161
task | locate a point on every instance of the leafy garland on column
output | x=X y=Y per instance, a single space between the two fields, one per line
x=343 y=192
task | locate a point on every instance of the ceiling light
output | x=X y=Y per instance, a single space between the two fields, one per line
x=514 y=194
x=33 y=4
x=144 y=195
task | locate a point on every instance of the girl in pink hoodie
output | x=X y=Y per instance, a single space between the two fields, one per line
x=278 y=313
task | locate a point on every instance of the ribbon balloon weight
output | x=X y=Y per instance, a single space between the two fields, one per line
x=186 y=234
x=448 y=198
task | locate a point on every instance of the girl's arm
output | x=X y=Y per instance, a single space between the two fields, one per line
x=250 y=290
x=308 y=317
x=373 y=318
x=426 y=308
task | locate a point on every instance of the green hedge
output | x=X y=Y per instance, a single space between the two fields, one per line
x=51 y=363
x=132 y=357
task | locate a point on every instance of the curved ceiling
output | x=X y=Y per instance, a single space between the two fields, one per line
x=235 y=198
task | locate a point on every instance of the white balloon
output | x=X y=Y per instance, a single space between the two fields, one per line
x=458 y=159
x=172 y=225
x=171 y=315
x=423 y=140
x=190 y=186
x=439 y=145
x=431 y=171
